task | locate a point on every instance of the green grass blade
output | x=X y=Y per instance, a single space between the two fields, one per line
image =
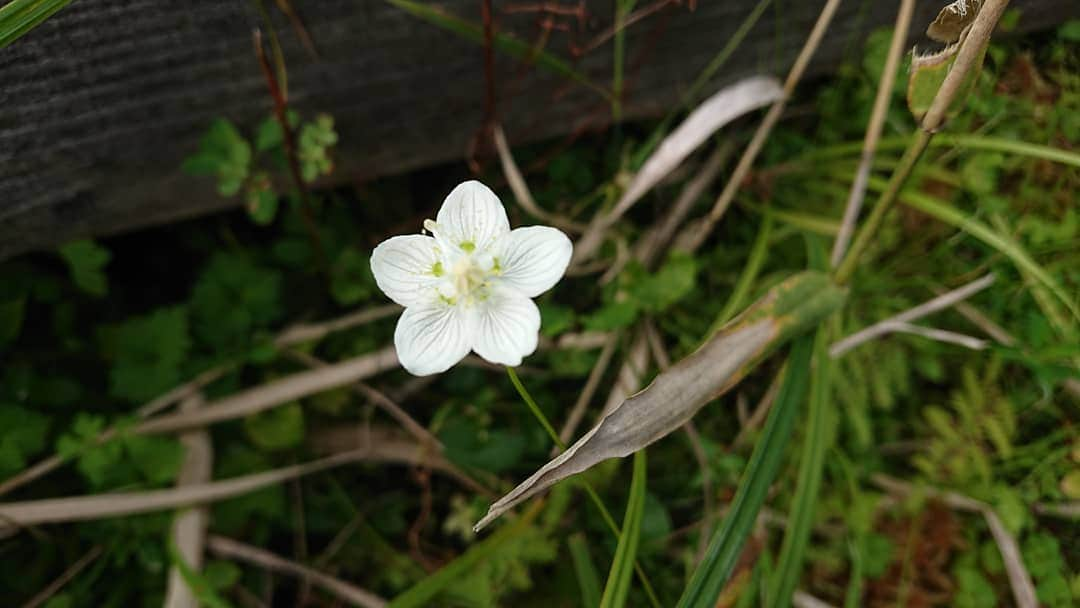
x=947 y=140
x=811 y=464
x=617 y=588
x=587 y=577
x=503 y=42
x=758 y=252
x=20 y=16
x=421 y=594
x=944 y=212
x=726 y=545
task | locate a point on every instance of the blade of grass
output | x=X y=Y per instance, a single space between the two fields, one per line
x=20 y=16
x=503 y=42
x=622 y=9
x=946 y=140
x=618 y=584
x=758 y=252
x=941 y=210
x=724 y=549
x=587 y=577
x=811 y=464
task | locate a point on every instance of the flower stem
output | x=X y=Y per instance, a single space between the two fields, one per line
x=529 y=401
x=589 y=490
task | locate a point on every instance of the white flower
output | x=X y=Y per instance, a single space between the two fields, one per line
x=468 y=287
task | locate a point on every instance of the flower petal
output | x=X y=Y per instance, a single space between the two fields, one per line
x=533 y=259
x=472 y=214
x=404 y=268
x=430 y=338
x=508 y=328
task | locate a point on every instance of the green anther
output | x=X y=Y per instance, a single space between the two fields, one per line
x=437 y=269
x=468 y=246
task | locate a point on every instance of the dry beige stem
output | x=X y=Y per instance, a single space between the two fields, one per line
x=189 y=527
x=355 y=596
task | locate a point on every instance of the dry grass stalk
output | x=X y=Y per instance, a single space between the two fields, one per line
x=1019 y=580
x=353 y=595
x=873 y=130
x=189 y=527
x=888 y=325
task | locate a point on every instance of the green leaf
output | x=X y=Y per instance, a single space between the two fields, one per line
x=224 y=153
x=158 y=459
x=20 y=16
x=86 y=260
x=315 y=139
x=260 y=200
x=276 y=429
x=587 y=577
x=490 y=450
x=268 y=135
x=220 y=575
x=351 y=280
x=617 y=588
x=555 y=319
x=613 y=315
x=1070 y=30
x=232 y=299
x=657 y=292
x=22 y=434
x=201 y=588
x=147 y=353
x=726 y=545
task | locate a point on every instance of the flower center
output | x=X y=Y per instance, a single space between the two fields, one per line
x=466 y=272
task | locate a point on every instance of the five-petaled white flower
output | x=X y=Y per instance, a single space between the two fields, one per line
x=469 y=286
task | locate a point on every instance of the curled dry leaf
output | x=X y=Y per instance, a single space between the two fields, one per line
x=793 y=306
x=723 y=107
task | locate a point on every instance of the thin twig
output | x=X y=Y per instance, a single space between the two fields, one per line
x=873 y=130
x=281 y=110
x=58 y=584
x=970 y=53
x=702 y=230
x=1065 y=510
x=275 y=393
x=883 y=327
x=174 y=395
x=1022 y=587
x=983 y=322
x=577 y=412
x=189 y=527
x=802 y=599
x=380 y=399
x=99 y=506
x=520 y=188
x=233 y=549
x=939 y=335
x=312 y=332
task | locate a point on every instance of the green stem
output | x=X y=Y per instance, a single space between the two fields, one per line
x=589 y=490
x=885 y=202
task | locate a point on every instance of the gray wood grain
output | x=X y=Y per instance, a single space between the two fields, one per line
x=100 y=104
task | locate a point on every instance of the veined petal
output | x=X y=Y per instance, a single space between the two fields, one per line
x=533 y=259
x=430 y=338
x=405 y=268
x=472 y=217
x=508 y=328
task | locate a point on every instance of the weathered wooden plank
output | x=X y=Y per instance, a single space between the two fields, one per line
x=100 y=104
